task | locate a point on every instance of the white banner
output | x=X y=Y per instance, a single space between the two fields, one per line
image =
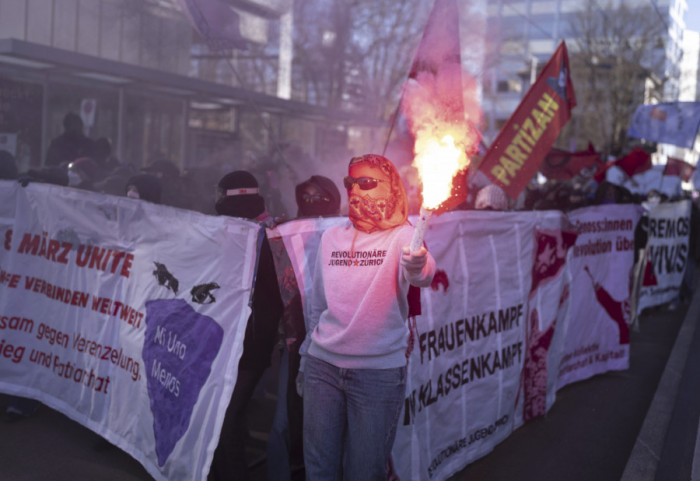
x=467 y=385
x=600 y=267
x=129 y=317
x=508 y=312
x=126 y=316
x=666 y=254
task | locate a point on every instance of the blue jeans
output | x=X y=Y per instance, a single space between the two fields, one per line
x=350 y=415
x=278 y=441
x=284 y=444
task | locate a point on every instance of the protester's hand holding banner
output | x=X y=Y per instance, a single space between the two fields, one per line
x=126 y=316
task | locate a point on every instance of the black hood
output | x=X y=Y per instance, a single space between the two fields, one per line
x=323 y=208
x=248 y=206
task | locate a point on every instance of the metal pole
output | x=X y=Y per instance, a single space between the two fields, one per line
x=184 y=141
x=121 y=110
x=44 y=120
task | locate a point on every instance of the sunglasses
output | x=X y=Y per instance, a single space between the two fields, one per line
x=364 y=183
x=313 y=198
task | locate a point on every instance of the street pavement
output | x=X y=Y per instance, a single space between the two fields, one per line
x=635 y=425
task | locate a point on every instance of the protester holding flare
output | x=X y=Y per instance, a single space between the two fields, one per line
x=354 y=366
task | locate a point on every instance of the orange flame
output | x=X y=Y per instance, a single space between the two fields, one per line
x=437 y=162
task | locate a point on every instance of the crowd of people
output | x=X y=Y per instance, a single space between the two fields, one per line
x=340 y=390
x=75 y=160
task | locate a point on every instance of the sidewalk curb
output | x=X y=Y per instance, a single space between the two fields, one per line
x=645 y=455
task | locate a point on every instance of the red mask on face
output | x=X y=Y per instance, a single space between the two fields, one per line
x=382 y=207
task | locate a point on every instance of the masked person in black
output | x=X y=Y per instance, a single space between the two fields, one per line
x=145 y=187
x=238 y=196
x=8 y=167
x=317 y=196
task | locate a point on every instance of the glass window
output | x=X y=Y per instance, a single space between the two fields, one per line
x=20 y=121
x=98 y=108
x=153 y=129
x=542 y=26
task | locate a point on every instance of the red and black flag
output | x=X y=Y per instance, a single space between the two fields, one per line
x=563 y=165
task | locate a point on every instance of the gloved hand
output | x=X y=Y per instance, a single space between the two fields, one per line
x=414 y=261
x=300 y=383
x=24 y=180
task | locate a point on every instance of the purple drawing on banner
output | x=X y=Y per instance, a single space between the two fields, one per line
x=178 y=351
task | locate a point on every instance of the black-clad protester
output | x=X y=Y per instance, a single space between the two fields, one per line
x=317 y=196
x=609 y=193
x=174 y=192
x=103 y=155
x=239 y=197
x=116 y=181
x=144 y=187
x=8 y=167
x=71 y=144
x=55 y=174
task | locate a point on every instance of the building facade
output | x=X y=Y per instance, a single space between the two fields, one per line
x=525 y=33
x=138 y=74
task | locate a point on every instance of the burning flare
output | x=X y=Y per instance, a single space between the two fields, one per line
x=437 y=162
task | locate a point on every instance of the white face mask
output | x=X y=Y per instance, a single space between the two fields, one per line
x=132 y=193
x=74 y=178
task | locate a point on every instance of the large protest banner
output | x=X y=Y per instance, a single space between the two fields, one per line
x=666 y=254
x=126 y=316
x=8 y=194
x=110 y=308
x=600 y=267
x=494 y=327
x=484 y=322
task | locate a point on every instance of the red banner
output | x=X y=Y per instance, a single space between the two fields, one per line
x=521 y=146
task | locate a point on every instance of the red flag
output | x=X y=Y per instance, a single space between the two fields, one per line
x=680 y=168
x=531 y=130
x=600 y=175
x=650 y=278
x=562 y=165
x=439 y=48
x=440 y=98
x=637 y=161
